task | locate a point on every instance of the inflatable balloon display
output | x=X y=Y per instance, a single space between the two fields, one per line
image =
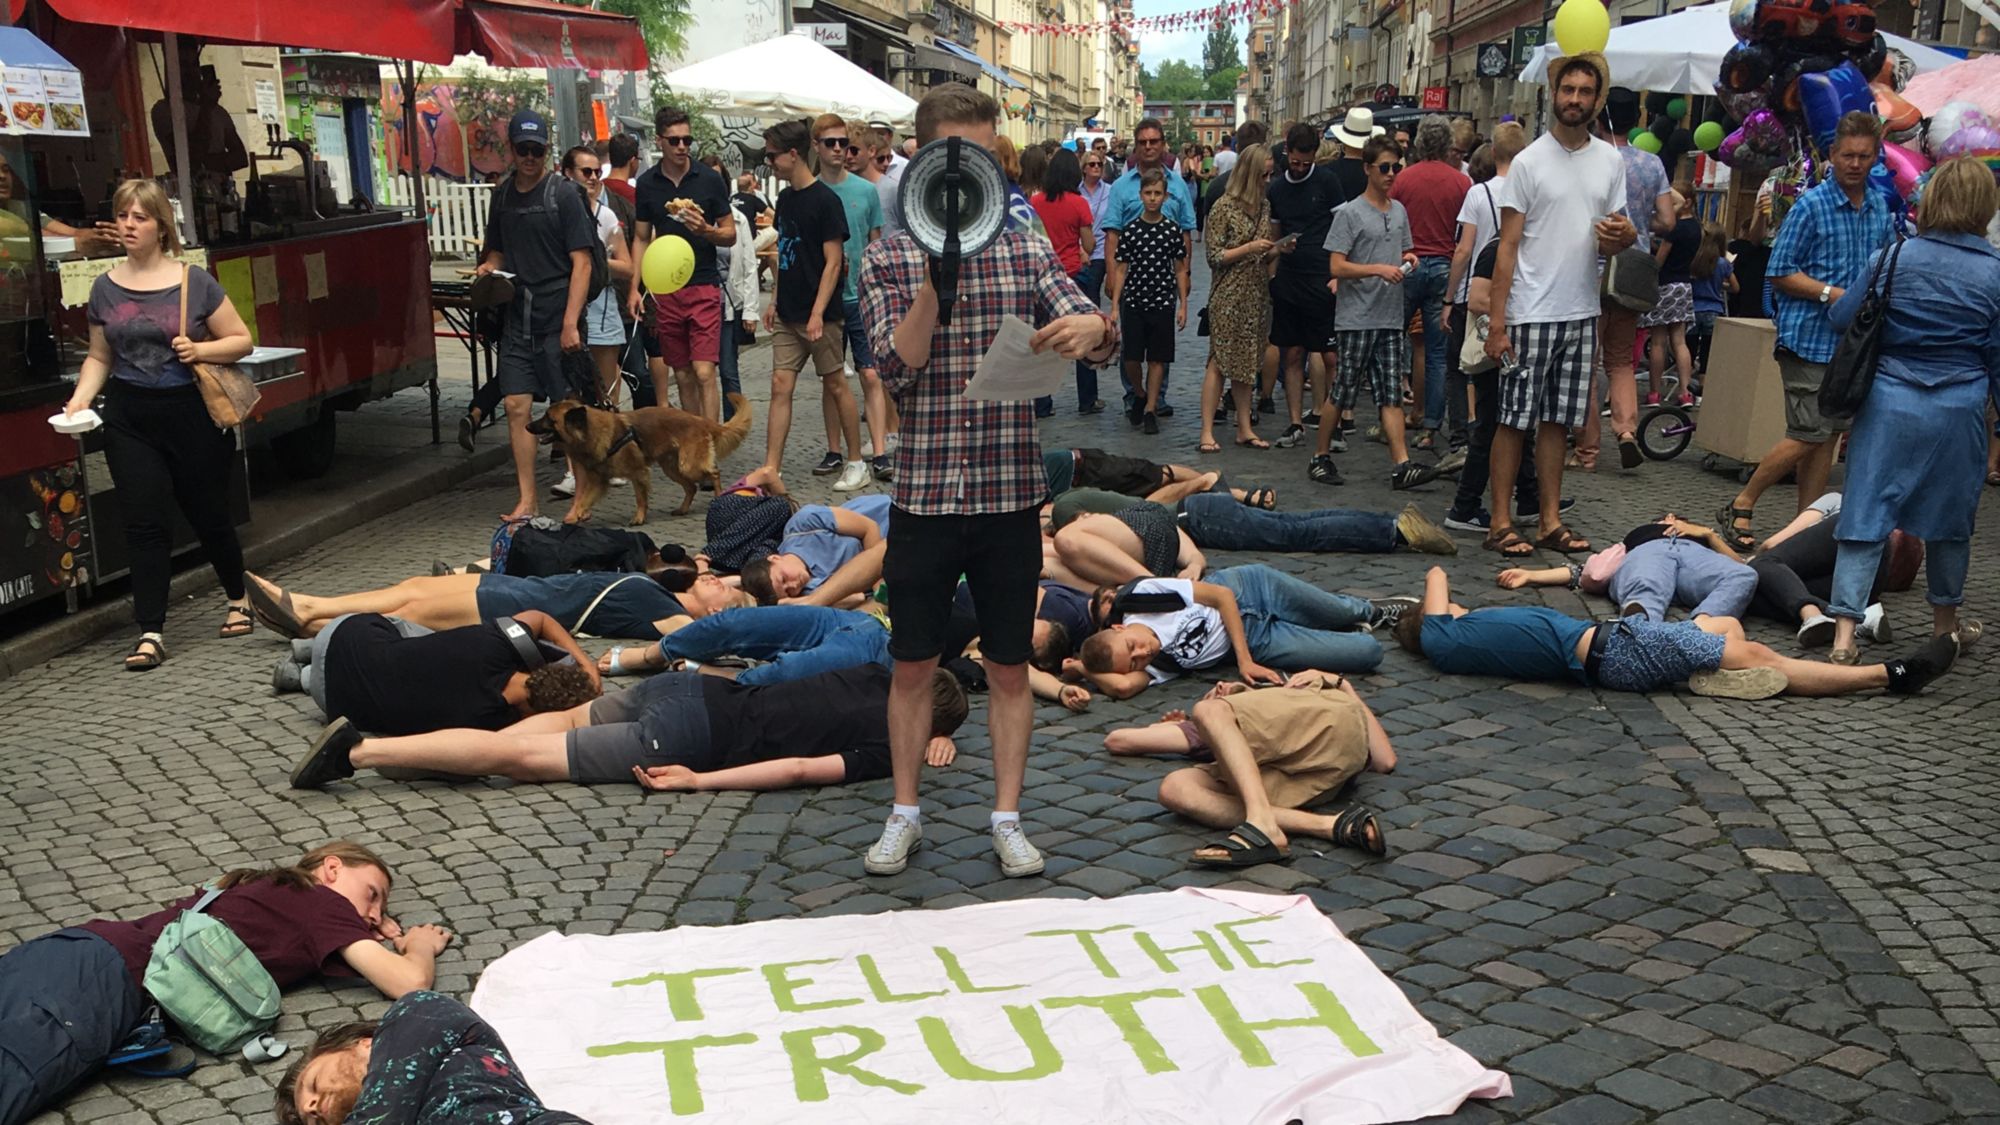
x=1899 y=117
x=1905 y=168
x=1826 y=96
x=1708 y=136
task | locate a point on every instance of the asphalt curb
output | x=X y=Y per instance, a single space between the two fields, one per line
x=265 y=541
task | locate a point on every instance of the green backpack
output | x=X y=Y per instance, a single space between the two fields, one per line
x=208 y=982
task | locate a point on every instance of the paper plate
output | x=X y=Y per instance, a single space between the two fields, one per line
x=81 y=422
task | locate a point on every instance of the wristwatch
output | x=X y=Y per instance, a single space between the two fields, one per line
x=1825 y=294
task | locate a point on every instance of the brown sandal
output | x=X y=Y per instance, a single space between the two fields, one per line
x=1509 y=542
x=148 y=653
x=237 y=621
x=1561 y=538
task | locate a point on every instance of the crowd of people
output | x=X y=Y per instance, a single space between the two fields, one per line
x=1456 y=278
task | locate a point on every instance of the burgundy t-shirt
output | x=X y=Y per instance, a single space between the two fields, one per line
x=1432 y=192
x=295 y=934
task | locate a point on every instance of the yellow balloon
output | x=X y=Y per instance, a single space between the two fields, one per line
x=1582 y=25
x=668 y=265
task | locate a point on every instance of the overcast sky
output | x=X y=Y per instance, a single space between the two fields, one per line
x=1157 y=46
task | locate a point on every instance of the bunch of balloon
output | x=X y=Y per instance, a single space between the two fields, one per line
x=1960 y=129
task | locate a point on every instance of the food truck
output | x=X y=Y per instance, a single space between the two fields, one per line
x=335 y=290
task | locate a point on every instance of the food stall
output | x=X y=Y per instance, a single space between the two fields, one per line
x=335 y=290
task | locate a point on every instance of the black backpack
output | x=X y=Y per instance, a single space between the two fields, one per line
x=600 y=260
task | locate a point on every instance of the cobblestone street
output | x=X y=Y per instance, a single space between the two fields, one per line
x=1662 y=908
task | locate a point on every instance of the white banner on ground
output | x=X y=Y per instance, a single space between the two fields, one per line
x=1195 y=1007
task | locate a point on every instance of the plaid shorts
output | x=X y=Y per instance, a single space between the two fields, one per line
x=1379 y=355
x=1551 y=379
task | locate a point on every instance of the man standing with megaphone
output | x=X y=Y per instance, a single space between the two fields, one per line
x=969 y=476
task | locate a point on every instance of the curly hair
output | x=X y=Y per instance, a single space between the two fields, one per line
x=339 y=1038
x=1432 y=140
x=559 y=687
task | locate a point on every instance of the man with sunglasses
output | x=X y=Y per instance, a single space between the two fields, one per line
x=1149 y=139
x=688 y=321
x=542 y=235
x=841 y=144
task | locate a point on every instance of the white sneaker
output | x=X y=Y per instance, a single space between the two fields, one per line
x=891 y=853
x=1017 y=856
x=620 y=482
x=1817 y=631
x=1875 y=624
x=852 y=477
x=564 y=487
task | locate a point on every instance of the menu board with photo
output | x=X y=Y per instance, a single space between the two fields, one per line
x=44 y=102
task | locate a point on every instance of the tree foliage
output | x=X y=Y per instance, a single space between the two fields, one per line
x=1221 y=50
x=1175 y=80
x=1221 y=85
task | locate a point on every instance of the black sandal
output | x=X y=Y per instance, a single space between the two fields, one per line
x=1509 y=542
x=237 y=621
x=1264 y=498
x=1738 y=537
x=148 y=653
x=1245 y=846
x=1356 y=827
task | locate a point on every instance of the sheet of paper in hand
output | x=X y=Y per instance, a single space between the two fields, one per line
x=1194 y=1007
x=1011 y=371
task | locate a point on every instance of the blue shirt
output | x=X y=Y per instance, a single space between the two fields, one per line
x=1125 y=205
x=810 y=534
x=1100 y=206
x=1827 y=239
x=1517 y=642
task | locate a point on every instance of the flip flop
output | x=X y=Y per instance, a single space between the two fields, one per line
x=1245 y=846
x=1264 y=498
x=275 y=612
x=1209 y=447
x=1253 y=443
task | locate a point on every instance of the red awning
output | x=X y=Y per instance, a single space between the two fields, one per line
x=545 y=33
x=404 y=29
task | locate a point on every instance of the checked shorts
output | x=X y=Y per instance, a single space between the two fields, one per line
x=1379 y=355
x=1551 y=378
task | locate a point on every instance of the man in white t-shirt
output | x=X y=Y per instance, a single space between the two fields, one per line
x=1225 y=158
x=1545 y=301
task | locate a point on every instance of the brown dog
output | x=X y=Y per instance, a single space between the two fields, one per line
x=603 y=444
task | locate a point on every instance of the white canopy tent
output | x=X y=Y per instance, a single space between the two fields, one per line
x=792 y=76
x=1682 y=53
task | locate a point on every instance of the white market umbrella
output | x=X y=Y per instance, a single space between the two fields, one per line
x=792 y=76
x=1682 y=53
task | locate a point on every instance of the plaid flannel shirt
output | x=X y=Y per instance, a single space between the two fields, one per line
x=957 y=456
x=1826 y=238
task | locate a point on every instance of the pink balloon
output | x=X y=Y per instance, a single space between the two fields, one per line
x=1905 y=165
x=1972 y=138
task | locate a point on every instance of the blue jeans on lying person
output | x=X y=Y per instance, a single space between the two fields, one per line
x=1293 y=625
x=796 y=641
x=1217 y=520
x=1678 y=571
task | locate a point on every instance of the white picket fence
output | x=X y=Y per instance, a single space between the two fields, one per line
x=456 y=212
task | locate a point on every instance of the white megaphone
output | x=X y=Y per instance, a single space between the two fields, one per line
x=953 y=200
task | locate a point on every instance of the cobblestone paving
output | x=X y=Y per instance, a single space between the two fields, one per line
x=1660 y=909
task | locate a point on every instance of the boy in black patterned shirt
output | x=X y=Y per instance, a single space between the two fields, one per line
x=1151 y=295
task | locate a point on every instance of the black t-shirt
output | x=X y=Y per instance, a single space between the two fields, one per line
x=1683 y=241
x=537 y=241
x=1064 y=605
x=386 y=683
x=749 y=205
x=1752 y=258
x=808 y=219
x=1351 y=174
x=1305 y=209
x=844 y=712
x=652 y=191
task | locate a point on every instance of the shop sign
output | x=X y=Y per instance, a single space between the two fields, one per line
x=1436 y=97
x=1526 y=39
x=824 y=34
x=1495 y=59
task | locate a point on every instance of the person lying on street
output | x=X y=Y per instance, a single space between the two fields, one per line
x=70 y=998
x=599 y=605
x=828 y=557
x=543 y=547
x=1067 y=469
x=429 y=1058
x=1711 y=655
x=392 y=677
x=675 y=732
x=1140 y=540
x=1669 y=562
x=1269 y=753
x=1154 y=629
x=1213 y=523
x=1795 y=575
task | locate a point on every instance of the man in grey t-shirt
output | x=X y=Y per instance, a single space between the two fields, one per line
x=1369 y=251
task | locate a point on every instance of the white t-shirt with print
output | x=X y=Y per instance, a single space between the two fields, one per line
x=1192 y=638
x=1561 y=195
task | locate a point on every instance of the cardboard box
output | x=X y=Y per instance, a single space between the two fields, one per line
x=1743 y=396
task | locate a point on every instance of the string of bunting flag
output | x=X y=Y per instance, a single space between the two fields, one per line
x=1176 y=21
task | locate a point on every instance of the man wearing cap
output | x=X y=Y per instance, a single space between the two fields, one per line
x=688 y=320
x=1544 y=299
x=540 y=233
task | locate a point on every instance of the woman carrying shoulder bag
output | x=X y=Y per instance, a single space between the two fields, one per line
x=68 y=999
x=1916 y=459
x=162 y=448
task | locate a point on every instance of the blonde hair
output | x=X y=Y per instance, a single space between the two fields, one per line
x=1960 y=198
x=1246 y=180
x=1509 y=138
x=303 y=875
x=151 y=198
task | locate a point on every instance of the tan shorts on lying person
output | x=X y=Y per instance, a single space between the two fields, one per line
x=1308 y=741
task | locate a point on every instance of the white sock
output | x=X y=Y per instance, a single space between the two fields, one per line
x=999 y=818
x=911 y=813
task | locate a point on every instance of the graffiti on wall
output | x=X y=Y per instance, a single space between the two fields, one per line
x=470 y=151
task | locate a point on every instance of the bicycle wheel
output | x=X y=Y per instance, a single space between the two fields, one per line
x=1664 y=431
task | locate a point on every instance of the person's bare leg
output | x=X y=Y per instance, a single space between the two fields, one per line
x=663 y=380
x=319 y=610
x=1101 y=550
x=520 y=409
x=1504 y=461
x=1590 y=435
x=1551 y=441
x=1166 y=739
x=778 y=423
x=1806 y=677
x=910 y=724
x=875 y=404
x=1217 y=722
x=689 y=389
x=1437 y=593
x=708 y=389
x=1197 y=795
x=1295 y=385
x=1813 y=471
x=1780 y=461
x=1656 y=361
x=470 y=753
x=842 y=409
x=1211 y=397
x=605 y=357
x=1392 y=433
x=1156 y=373
x=1684 y=363
x=1010 y=719
x=1182 y=488
x=1054 y=569
x=1240 y=393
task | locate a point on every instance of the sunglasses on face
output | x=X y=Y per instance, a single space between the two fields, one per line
x=834 y=142
x=1388 y=169
x=677 y=142
x=884 y=159
x=531 y=151
x=587 y=173
x=769 y=156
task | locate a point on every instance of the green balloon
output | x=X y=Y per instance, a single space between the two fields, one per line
x=1634 y=133
x=1708 y=136
x=1648 y=142
x=1677 y=108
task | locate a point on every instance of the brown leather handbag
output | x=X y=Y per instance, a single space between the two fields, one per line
x=227 y=392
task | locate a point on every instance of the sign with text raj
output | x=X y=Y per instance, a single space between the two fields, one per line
x=1187 y=1008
